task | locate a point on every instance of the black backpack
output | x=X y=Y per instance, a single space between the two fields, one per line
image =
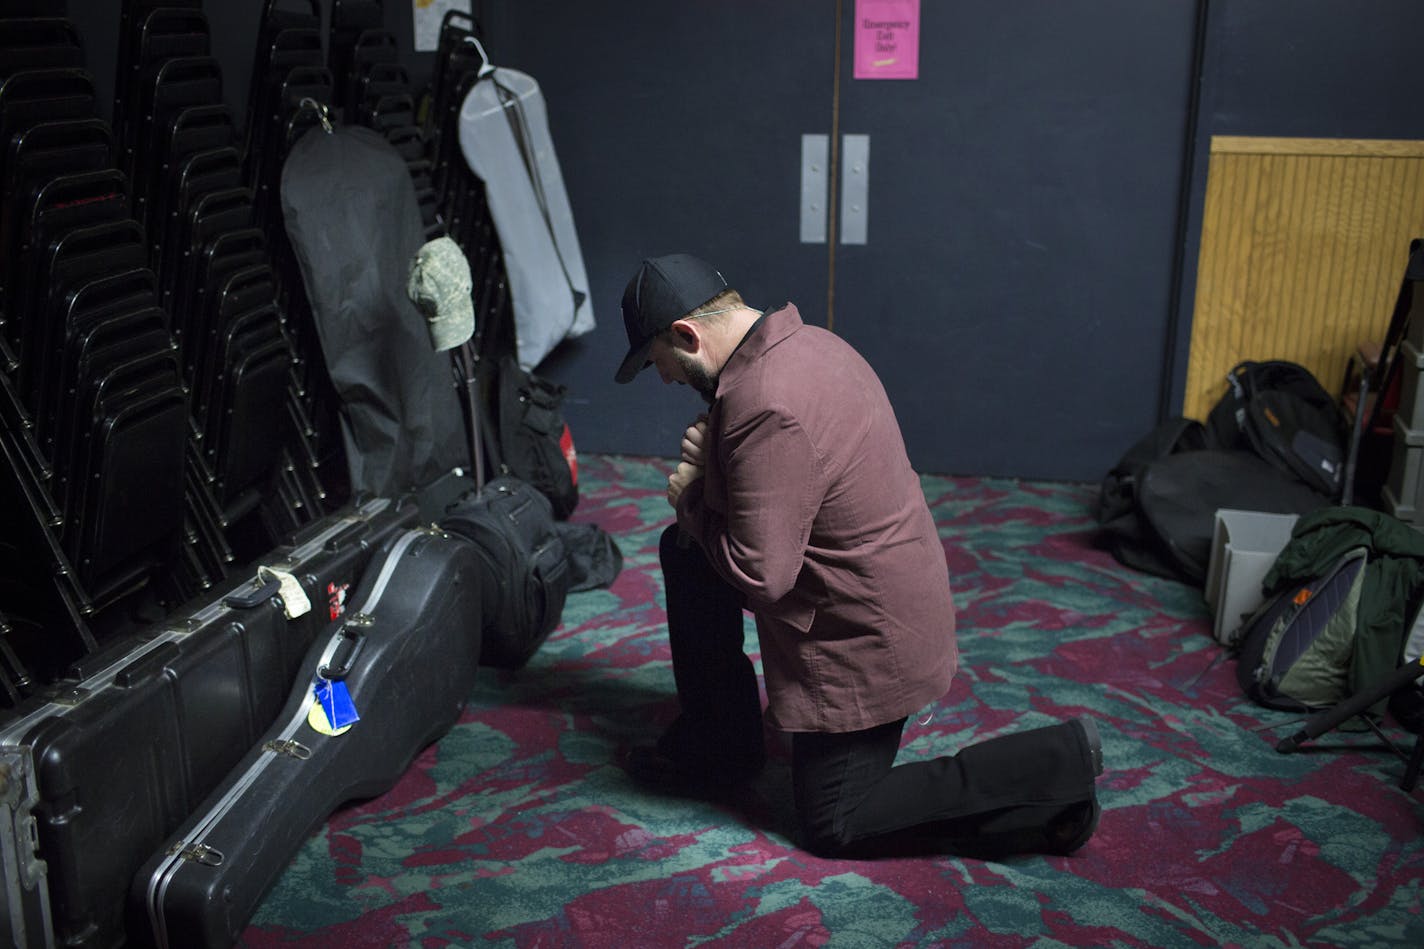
x=512 y=527
x=535 y=443
x=1278 y=410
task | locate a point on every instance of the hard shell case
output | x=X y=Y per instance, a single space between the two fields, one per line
x=100 y=768
x=407 y=656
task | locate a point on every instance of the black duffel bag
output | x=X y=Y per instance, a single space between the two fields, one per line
x=1157 y=506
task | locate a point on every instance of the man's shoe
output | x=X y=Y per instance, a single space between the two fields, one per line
x=1072 y=829
x=1094 y=742
x=652 y=768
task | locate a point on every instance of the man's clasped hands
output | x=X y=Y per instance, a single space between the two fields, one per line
x=693 y=461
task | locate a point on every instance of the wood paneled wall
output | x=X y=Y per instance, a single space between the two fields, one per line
x=1304 y=243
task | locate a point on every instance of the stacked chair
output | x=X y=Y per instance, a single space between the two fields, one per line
x=175 y=142
x=290 y=92
x=94 y=410
x=165 y=413
x=287 y=94
x=249 y=469
x=249 y=472
x=374 y=90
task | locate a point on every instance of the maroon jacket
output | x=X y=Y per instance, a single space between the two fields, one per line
x=810 y=507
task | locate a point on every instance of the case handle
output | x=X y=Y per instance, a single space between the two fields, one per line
x=342 y=661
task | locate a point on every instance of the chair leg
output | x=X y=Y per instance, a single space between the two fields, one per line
x=1323 y=721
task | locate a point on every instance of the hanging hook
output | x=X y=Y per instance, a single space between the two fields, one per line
x=308 y=102
x=486 y=67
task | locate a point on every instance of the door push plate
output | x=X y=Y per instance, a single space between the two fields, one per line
x=815 y=174
x=855 y=188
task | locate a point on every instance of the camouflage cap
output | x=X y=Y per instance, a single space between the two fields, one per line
x=440 y=288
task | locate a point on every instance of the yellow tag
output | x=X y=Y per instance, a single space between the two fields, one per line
x=317 y=719
x=294 y=599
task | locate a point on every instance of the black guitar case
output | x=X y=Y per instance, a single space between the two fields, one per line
x=406 y=659
x=102 y=766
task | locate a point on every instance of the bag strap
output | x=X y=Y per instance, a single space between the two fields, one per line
x=513 y=109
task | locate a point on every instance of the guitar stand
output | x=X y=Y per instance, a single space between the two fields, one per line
x=1323 y=721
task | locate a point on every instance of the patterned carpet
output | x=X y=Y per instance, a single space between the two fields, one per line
x=519 y=829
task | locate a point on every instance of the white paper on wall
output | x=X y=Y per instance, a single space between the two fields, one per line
x=428 y=14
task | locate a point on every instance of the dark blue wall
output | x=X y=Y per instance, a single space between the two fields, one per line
x=1023 y=205
x=1042 y=286
x=1101 y=321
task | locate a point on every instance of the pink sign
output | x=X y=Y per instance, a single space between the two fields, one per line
x=887 y=39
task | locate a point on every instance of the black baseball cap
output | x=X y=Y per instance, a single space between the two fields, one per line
x=663 y=291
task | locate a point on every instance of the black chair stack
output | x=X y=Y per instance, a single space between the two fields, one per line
x=165 y=411
x=289 y=85
x=93 y=412
x=216 y=279
x=374 y=90
x=290 y=93
x=15 y=681
x=459 y=194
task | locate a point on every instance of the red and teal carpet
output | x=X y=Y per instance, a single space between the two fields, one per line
x=519 y=829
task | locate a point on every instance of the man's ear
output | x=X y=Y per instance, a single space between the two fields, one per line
x=686 y=335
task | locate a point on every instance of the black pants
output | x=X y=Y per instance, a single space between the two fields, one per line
x=992 y=798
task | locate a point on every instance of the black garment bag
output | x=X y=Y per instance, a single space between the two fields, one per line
x=351 y=212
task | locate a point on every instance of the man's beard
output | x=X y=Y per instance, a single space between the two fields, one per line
x=699 y=378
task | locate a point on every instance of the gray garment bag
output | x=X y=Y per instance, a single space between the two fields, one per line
x=504 y=136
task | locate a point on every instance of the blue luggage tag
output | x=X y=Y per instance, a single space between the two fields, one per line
x=335 y=700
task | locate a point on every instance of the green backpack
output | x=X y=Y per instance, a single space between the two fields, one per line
x=1296 y=649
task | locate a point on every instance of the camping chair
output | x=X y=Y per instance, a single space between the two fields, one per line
x=1323 y=721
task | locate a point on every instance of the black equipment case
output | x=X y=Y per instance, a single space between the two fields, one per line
x=407 y=659
x=511 y=525
x=100 y=768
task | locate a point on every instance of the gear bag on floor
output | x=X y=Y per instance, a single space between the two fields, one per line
x=1157 y=506
x=511 y=525
x=1341 y=598
x=1278 y=410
